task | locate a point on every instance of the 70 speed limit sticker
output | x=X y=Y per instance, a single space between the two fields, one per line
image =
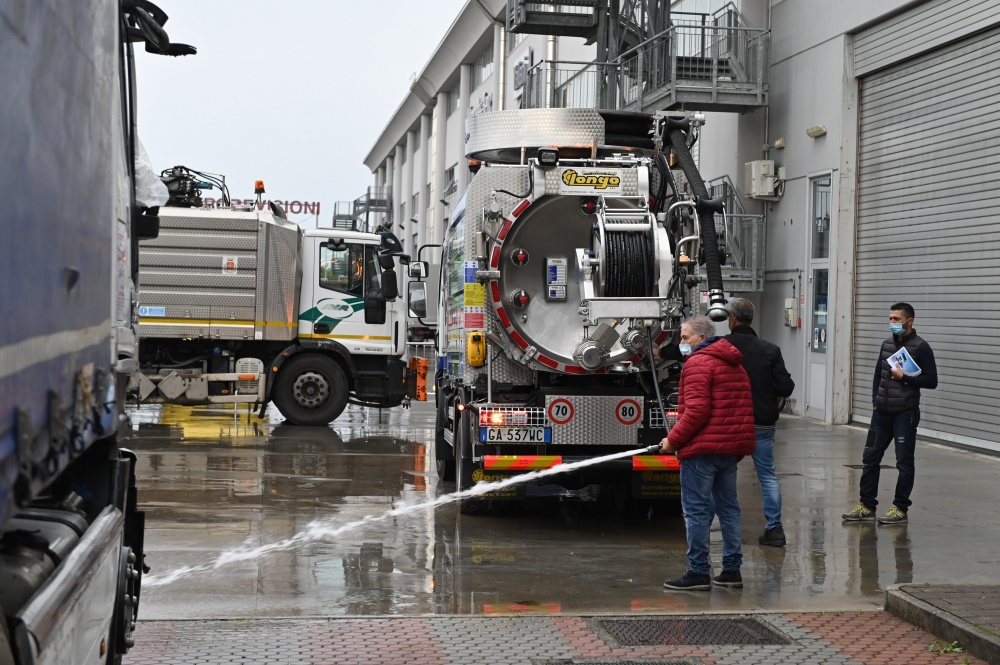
x=628 y=412
x=561 y=411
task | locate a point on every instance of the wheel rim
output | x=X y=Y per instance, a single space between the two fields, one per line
x=310 y=389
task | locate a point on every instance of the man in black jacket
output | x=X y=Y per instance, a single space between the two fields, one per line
x=769 y=383
x=896 y=398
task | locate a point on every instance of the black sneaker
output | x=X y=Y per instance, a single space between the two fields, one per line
x=690 y=582
x=729 y=578
x=774 y=537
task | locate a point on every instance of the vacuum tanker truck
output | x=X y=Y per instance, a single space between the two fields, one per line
x=567 y=269
x=71 y=531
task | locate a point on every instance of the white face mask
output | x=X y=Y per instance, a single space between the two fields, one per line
x=685 y=349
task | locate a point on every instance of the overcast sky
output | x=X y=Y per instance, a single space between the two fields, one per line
x=293 y=92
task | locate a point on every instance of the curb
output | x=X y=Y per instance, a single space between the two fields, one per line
x=942 y=624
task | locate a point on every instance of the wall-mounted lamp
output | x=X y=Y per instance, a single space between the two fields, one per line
x=443 y=202
x=779 y=144
x=413 y=219
x=816 y=132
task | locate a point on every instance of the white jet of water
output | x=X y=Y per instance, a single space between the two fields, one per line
x=324 y=530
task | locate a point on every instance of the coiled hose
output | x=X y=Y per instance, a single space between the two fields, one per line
x=629 y=264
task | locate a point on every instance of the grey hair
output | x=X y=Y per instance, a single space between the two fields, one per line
x=742 y=309
x=701 y=325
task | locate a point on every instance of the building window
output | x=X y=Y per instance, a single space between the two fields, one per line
x=482 y=69
x=821 y=218
x=452 y=101
x=402 y=156
x=415 y=204
x=514 y=40
x=450 y=183
x=402 y=213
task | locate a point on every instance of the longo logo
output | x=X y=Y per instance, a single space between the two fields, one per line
x=479 y=476
x=595 y=180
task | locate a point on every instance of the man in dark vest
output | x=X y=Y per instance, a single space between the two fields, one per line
x=770 y=382
x=896 y=397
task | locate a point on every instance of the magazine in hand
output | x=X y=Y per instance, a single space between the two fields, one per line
x=903 y=359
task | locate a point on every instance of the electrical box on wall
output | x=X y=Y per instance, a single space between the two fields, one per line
x=791 y=313
x=758 y=180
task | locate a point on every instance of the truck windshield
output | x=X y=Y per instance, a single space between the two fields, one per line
x=352 y=270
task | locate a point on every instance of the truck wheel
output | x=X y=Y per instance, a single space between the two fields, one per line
x=463 y=453
x=310 y=390
x=444 y=455
x=446 y=470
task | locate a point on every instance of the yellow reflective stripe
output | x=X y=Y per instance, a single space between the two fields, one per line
x=214 y=322
x=520 y=462
x=377 y=338
x=655 y=463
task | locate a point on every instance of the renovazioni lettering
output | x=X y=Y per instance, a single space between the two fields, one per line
x=291 y=207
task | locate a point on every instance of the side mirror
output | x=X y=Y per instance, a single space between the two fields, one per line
x=418 y=270
x=386 y=261
x=390 y=286
x=390 y=243
x=416 y=299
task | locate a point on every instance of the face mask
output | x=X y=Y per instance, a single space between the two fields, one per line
x=896 y=328
x=685 y=349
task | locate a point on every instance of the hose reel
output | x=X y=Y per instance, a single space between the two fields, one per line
x=625 y=249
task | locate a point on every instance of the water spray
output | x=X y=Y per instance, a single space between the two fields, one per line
x=317 y=531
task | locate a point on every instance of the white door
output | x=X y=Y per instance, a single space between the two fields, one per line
x=333 y=297
x=819 y=303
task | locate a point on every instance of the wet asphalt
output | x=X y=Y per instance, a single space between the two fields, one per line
x=213 y=482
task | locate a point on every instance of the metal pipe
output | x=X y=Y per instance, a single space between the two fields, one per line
x=502 y=73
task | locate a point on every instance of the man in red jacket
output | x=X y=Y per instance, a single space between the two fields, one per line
x=714 y=431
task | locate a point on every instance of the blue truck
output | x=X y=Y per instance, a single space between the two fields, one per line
x=71 y=532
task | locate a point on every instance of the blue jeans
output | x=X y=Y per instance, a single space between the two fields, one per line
x=705 y=479
x=763 y=461
x=898 y=427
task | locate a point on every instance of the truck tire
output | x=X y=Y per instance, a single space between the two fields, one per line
x=463 y=454
x=311 y=389
x=444 y=454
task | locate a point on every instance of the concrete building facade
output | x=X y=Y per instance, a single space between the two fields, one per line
x=882 y=118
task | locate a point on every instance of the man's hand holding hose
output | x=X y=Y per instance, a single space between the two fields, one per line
x=666 y=448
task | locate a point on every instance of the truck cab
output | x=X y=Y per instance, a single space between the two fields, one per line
x=344 y=293
x=239 y=305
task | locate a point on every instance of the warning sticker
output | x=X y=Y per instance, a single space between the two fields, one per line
x=470 y=271
x=475 y=317
x=475 y=295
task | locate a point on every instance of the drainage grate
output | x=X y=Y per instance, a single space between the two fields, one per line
x=861 y=466
x=695 y=632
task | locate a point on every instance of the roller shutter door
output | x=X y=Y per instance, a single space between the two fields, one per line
x=929 y=227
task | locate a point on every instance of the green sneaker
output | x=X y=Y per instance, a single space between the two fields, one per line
x=892 y=516
x=860 y=513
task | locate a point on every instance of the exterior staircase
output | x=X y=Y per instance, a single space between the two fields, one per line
x=703 y=62
x=744 y=239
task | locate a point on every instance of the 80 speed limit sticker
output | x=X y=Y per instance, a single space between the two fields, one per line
x=628 y=412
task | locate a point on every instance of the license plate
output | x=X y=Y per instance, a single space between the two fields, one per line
x=515 y=434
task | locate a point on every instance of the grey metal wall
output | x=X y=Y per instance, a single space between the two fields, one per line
x=929 y=226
